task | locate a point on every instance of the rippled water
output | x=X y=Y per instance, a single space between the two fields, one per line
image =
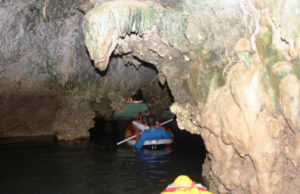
x=92 y=167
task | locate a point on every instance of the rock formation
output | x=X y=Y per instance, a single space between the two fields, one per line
x=48 y=84
x=233 y=69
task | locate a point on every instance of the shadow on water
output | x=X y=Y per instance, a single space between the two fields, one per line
x=49 y=167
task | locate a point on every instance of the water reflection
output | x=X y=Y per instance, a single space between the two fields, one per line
x=154 y=156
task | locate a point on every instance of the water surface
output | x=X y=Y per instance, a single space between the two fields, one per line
x=93 y=167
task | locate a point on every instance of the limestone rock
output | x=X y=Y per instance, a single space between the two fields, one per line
x=44 y=64
x=73 y=120
x=233 y=71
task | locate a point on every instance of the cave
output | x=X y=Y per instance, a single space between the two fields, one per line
x=228 y=70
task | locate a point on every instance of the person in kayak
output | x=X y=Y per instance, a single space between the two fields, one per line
x=152 y=133
x=158 y=125
x=140 y=124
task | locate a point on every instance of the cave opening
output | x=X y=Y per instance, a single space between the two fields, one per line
x=96 y=159
x=185 y=156
x=188 y=151
x=138 y=96
x=144 y=93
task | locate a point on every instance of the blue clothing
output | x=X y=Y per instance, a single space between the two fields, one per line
x=149 y=134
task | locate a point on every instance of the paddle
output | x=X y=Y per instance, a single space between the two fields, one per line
x=125 y=140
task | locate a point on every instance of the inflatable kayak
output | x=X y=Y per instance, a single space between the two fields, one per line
x=130 y=131
x=152 y=142
x=183 y=184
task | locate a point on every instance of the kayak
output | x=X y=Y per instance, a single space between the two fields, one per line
x=130 y=131
x=183 y=184
x=153 y=142
x=134 y=101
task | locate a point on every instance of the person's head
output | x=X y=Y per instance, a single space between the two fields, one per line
x=151 y=121
x=144 y=119
x=157 y=123
x=140 y=115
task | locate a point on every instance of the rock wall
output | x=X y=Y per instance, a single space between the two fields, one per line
x=157 y=97
x=233 y=69
x=41 y=52
x=48 y=84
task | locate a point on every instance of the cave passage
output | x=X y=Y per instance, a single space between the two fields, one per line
x=94 y=167
x=230 y=70
x=36 y=165
x=185 y=156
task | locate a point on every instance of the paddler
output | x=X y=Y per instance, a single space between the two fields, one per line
x=158 y=125
x=141 y=122
x=152 y=133
x=130 y=129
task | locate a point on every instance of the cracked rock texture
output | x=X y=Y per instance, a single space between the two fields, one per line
x=48 y=84
x=233 y=68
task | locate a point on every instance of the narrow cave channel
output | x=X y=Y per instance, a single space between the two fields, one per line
x=228 y=70
x=161 y=167
x=34 y=164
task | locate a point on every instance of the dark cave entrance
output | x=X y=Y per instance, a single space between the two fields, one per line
x=144 y=92
x=138 y=96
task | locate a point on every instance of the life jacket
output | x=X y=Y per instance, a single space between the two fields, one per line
x=184 y=185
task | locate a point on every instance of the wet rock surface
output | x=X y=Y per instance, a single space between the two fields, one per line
x=41 y=54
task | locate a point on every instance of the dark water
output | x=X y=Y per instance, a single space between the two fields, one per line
x=93 y=167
